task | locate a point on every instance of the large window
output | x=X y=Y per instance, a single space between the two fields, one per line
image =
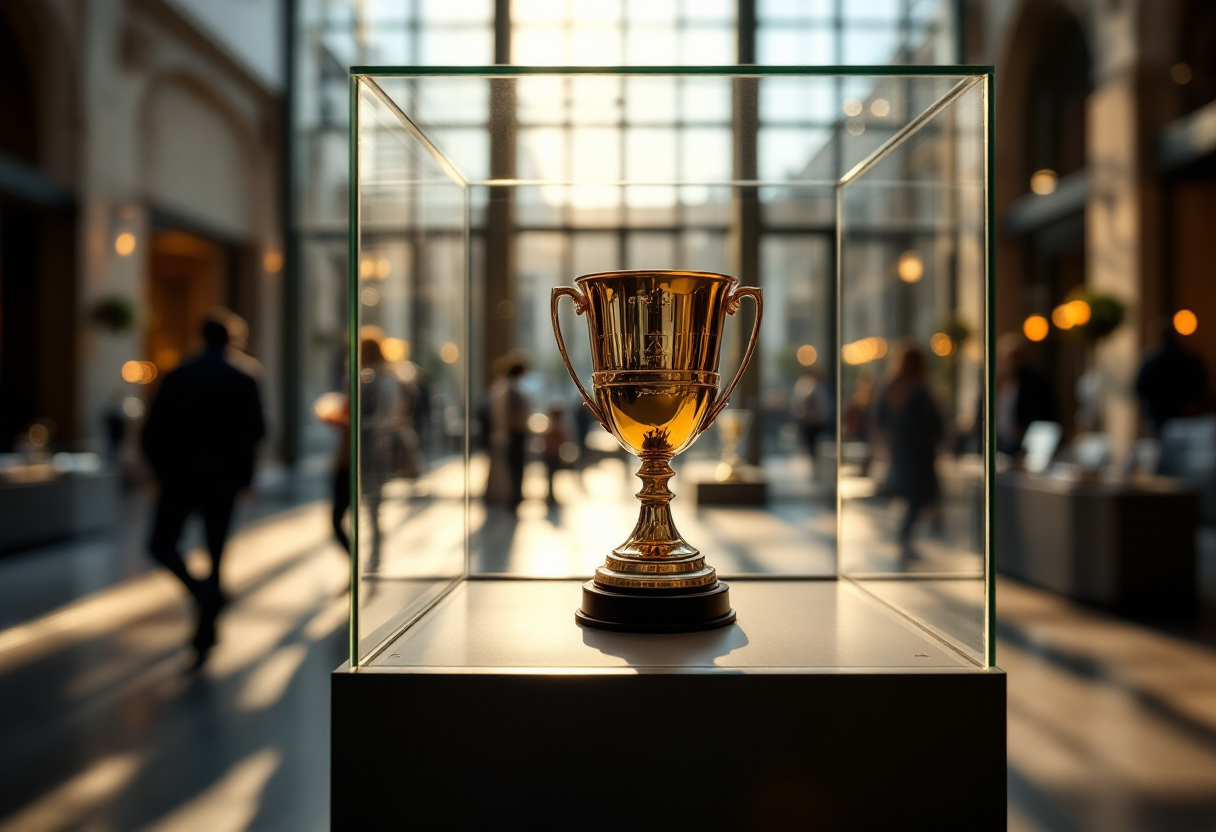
x=602 y=131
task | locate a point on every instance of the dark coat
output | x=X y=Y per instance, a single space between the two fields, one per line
x=914 y=429
x=204 y=424
x=1171 y=383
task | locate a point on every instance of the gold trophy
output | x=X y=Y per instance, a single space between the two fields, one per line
x=655 y=339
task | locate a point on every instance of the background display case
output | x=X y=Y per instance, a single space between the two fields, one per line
x=859 y=687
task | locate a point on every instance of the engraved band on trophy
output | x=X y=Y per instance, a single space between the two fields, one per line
x=655 y=340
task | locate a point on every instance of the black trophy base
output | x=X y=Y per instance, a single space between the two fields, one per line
x=626 y=611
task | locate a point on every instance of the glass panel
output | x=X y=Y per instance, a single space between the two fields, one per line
x=411 y=297
x=797 y=379
x=590 y=174
x=913 y=295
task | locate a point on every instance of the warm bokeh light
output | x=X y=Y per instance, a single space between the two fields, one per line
x=1035 y=328
x=864 y=351
x=375 y=267
x=1181 y=74
x=880 y=107
x=911 y=267
x=124 y=243
x=941 y=344
x=1185 y=322
x=147 y=372
x=370 y=296
x=370 y=332
x=167 y=359
x=394 y=349
x=131 y=372
x=449 y=353
x=329 y=406
x=538 y=423
x=1070 y=314
x=1043 y=182
x=807 y=355
x=272 y=261
x=1080 y=312
x=852 y=107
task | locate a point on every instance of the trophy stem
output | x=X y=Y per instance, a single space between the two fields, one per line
x=655 y=582
x=655 y=536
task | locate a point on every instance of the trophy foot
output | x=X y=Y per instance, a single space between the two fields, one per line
x=685 y=610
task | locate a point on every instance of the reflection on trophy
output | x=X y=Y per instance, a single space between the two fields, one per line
x=732 y=427
x=655 y=341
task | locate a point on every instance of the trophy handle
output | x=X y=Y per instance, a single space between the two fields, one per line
x=732 y=306
x=580 y=306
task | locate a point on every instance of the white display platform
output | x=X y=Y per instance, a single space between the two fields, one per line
x=800 y=625
x=821 y=709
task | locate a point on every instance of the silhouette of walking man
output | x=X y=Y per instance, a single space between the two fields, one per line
x=200 y=437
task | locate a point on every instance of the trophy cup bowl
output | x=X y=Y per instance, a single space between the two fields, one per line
x=655 y=341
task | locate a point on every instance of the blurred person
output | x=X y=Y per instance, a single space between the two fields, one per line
x=857 y=408
x=334 y=410
x=238 y=342
x=857 y=419
x=912 y=426
x=1172 y=381
x=407 y=459
x=508 y=433
x=1023 y=395
x=557 y=443
x=423 y=408
x=812 y=409
x=200 y=437
x=114 y=423
x=385 y=448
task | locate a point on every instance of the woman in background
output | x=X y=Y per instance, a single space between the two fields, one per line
x=912 y=424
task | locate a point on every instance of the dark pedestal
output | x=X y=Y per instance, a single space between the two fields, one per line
x=821 y=709
x=745 y=493
x=1128 y=546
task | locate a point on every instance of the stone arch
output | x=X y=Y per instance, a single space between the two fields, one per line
x=198 y=160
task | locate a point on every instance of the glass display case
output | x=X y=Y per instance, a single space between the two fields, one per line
x=859 y=200
x=856 y=198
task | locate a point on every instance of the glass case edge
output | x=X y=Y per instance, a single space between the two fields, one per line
x=352 y=370
x=926 y=116
x=839 y=369
x=989 y=364
x=507 y=70
x=449 y=167
x=467 y=346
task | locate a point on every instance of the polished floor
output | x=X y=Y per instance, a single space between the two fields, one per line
x=1112 y=725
